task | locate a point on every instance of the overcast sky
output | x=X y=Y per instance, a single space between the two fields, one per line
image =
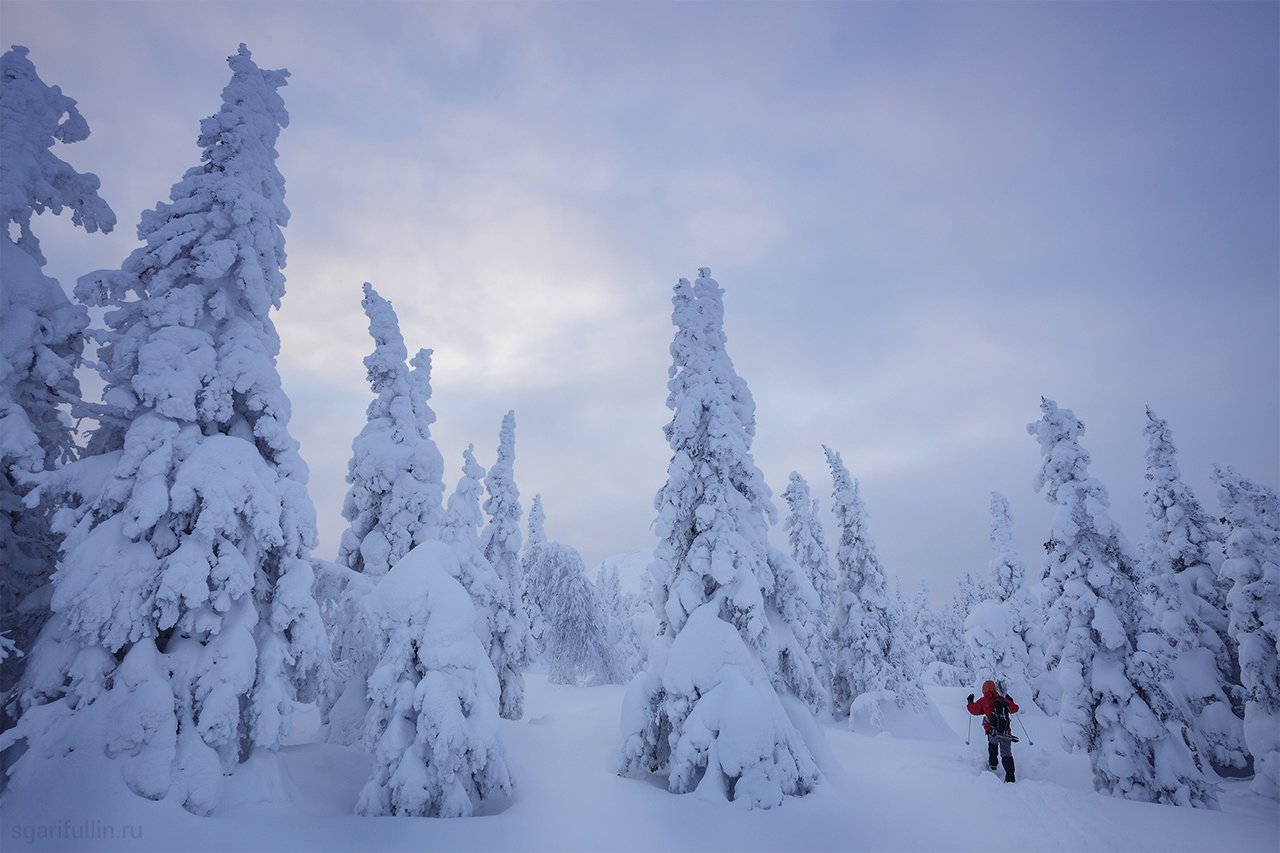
x=925 y=216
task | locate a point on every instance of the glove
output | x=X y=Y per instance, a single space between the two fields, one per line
x=1007 y=696
x=970 y=698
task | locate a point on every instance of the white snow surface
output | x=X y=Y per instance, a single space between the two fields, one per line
x=877 y=793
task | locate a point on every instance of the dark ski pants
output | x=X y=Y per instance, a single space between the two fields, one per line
x=1004 y=747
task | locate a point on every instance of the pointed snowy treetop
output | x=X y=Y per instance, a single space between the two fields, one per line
x=386 y=364
x=222 y=231
x=1162 y=456
x=33 y=179
x=710 y=304
x=420 y=380
x=402 y=393
x=1181 y=531
x=501 y=538
x=200 y=290
x=396 y=471
x=805 y=535
x=802 y=508
x=462 y=517
x=503 y=504
x=684 y=346
x=1065 y=462
x=855 y=551
x=537 y=523
x=797 y=491
x=1007 y=567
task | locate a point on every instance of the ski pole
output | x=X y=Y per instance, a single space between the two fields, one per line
x=1030 y=742
x=968 y=731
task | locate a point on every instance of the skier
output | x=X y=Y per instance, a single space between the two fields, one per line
x=995 y=710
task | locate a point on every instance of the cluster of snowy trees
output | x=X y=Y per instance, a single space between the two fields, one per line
x=162 y=607
x=160 y=600
x=1160 y=662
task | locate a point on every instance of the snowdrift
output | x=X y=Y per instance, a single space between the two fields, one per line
x=889 y=792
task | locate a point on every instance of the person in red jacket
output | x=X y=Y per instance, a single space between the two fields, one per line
x=999 y=737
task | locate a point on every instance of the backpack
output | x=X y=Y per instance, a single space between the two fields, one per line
x=998 y=719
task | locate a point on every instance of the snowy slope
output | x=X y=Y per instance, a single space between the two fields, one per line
x=879 y=793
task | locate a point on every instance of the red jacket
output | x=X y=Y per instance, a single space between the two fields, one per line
x=986 y=704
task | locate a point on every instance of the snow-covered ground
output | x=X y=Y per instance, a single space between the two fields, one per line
x=879 y=793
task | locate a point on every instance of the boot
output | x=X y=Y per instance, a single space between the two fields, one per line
x=991 y=755
x=1008 y=768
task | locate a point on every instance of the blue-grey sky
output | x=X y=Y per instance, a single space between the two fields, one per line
x=925 y=216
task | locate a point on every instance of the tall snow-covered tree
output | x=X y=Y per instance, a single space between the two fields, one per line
x=1112 y=665
x=809 y=551
x=1009 y=573
x=537 y=523
x=621 y=612
x=576 y=636
x=535 y=568
x=393 y=503
x=951 y=656
x=713 y=708
x=1187 y=598
x=460 y=529
x=870 y=666
x=906 y=615
x=41 y=335
x=1009 y=588
x=186 y=625
x=934 y=643
x=432 y=725
x=567 y=624
x=500 y=542
x=396 y=471
x=1252 y=515
x=971 y=591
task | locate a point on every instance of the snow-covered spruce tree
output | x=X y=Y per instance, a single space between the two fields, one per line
x=41 y=335
x=907 y=618
x=1009 y=588
x=510 y=650
x=460 y=529
x=393 y=503
x=924 y=632
x=870 y=664
x=713 y=708
x=1009 y=573
x=534 y=568
x=1111 y=663
x=186 y=622
x=936 y=643
x=995 y=648
x=809 y=551
x=432 y=725
x=620 y=612
x=1187 y=597
x=935 y=655
x=396 y=472
x=567 y=626
x=1252 y=515
x=575 y=640
x=971 y=590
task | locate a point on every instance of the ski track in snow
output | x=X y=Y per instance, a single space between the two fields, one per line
x=878 y=793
